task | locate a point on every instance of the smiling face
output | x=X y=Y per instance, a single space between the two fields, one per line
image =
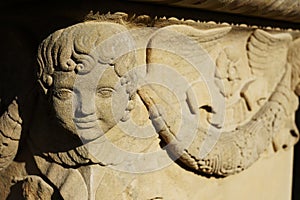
x=89 y=104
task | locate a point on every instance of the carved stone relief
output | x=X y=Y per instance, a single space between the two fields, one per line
x=287 y=10
x=136 y=94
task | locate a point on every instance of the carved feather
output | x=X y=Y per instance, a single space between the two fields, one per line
x=72 y=158
x=204 y=37
x=267 y=51
x=10 y=134
x=294 y=60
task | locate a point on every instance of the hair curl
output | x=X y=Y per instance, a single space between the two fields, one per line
x=94 y=42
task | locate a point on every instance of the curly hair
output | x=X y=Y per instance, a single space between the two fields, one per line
x=79 y=47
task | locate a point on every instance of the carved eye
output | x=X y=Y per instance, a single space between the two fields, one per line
x=63 y=94
x=105 y=92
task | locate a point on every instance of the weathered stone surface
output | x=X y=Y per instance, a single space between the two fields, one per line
x=287 y=10
x=120 y=99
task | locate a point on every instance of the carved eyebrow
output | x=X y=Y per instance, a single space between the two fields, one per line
x=106 y=87
x=113 y=86
x=62 y=84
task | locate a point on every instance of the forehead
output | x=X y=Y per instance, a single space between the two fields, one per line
x=106 y=77
x=107 y=40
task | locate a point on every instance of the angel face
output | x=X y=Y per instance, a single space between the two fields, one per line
x=89 y=104
x=85 y=71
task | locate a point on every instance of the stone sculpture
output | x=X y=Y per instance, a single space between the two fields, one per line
x=197 y=82
x=284 y=10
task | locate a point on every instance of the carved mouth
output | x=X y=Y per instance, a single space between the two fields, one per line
x=85 y=123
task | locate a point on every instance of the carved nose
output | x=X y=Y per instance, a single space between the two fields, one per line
x=85 y=106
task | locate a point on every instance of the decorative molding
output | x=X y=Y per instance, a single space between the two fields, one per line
x=287 y=10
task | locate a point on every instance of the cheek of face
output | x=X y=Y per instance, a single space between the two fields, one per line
x=111 y=100
x=104 y=104
x=62 y=99
x=63 y=109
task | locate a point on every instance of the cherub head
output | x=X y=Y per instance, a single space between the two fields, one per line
x=86 y=71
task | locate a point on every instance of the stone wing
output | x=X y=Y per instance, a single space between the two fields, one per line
x=10 y=134
x=184 y=33
x=267 y=51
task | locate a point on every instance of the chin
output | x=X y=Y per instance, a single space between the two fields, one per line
x=66 y=126
x=89 y=135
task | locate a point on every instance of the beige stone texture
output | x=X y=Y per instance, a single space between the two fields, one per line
x=287 y=10
x=140 y=108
